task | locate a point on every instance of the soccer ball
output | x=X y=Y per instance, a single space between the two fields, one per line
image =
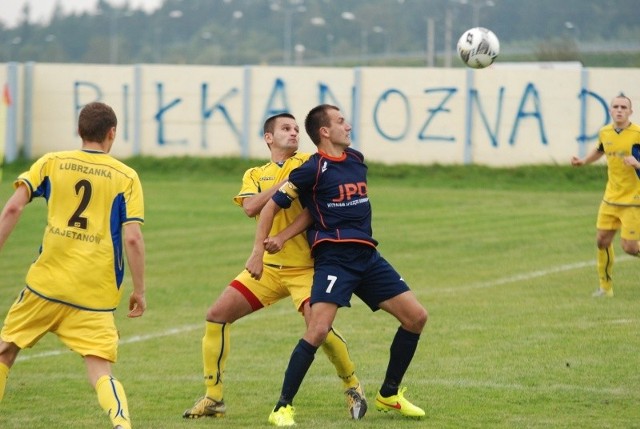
x=478 y=47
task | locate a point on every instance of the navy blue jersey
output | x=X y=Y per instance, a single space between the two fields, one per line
x=335 y=192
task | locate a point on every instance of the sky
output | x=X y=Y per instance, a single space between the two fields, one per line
x=10 y=10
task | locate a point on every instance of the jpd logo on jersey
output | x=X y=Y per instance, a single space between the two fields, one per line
x=348 y=190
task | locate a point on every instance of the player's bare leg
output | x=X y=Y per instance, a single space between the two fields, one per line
x=111 y=395
x=8 y=354
x=605 y=259
x=335 y=347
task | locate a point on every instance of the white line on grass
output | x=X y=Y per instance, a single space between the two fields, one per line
x=528 y=276
x=512 y=279
x=619 y=391
x=482 y=285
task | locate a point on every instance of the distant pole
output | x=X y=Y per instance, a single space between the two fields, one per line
x=288 y=35
x=476 y=13
x=431 y=42
x=448 y=29
x=113 y=39
x=364 y=44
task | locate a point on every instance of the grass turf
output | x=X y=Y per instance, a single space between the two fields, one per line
x=503 y=259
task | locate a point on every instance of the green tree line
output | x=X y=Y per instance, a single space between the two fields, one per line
x=327 y=32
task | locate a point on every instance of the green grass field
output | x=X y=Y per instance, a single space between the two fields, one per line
x=503 y=259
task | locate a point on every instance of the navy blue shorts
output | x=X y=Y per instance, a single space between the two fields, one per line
x=346 y=269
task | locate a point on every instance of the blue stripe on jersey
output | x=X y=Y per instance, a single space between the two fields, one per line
x=44 y=190
x=118 y=216
x=635 y=151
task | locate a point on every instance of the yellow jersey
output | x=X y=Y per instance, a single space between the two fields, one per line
x=623 y=184
x=90 y=195
x=296 y=252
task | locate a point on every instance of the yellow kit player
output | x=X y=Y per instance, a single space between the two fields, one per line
x=619 y=141
x=287 y=273
x=94 y=209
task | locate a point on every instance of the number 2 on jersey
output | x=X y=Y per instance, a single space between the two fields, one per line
x=77 y=220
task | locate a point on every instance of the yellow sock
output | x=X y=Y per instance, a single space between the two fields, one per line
x=113 y=400
x=215 y=348
x=4 y=374
x=335 y=347
x=605 y=267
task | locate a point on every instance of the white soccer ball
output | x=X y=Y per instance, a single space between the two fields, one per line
x=478 y=47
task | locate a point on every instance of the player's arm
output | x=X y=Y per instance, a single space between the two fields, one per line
x=253 y=205
x=592 y=156
x=300 y=224
x=633 y=160
x=134 y=247
x=12 y=211
x=254 y=263
x=282 y=198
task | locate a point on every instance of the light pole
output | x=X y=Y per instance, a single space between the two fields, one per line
x=477 y=7
x=318 y=21
x=385 y=40
x=292 y=7
x=572 y=29
x=173 y=14
x=114 y=33
x=235 y=33
x=299 y=50
x=448 y=38
x=573 y=34
x=364 y=34
x=113 y=39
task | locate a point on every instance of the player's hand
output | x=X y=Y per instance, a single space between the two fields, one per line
x=576 y=162
x=254 y=264
x=631 y=161
x=273 y=244
x=137 y=304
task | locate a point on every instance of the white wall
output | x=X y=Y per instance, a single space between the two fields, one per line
x=498 y=116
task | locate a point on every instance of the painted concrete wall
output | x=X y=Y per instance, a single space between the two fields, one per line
x=501 y=116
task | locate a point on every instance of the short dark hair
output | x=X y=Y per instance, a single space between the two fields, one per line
x=316 y=119
x=270 y=123
x=95 y=121
x=621 y=95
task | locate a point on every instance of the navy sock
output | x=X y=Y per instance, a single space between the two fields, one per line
x=299 y=363
x=402 y=349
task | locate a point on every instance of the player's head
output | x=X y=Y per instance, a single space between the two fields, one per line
x=270 y=123
x=620 y=109
x=281 y=132
x=96 y=122
x=326 y=121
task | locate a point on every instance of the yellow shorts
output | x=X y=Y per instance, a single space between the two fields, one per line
x=85 y=332
x=624 y=218
x=275 y=284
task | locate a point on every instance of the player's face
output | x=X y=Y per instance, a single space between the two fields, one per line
x=286 y=134
x=620 y=111
x=340 y=129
